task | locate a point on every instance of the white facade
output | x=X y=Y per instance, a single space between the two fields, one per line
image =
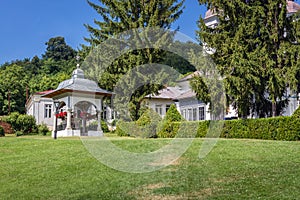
x=183 y=98
x=41 y=108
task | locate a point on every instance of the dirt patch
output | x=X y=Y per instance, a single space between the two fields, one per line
x=167 y=160
x=146 y=193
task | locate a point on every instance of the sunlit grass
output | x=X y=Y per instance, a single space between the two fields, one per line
x=37 y=167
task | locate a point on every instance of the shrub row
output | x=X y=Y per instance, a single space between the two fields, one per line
x=150 y=124
x=25 y=124
x=278 y=128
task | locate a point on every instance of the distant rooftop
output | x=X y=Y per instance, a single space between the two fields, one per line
x=166 y=93
x=292 y=7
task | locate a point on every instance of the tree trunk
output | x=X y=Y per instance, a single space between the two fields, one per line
x=274 y=109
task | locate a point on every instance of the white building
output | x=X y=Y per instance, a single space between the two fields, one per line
x=41 y=108
x=183 y=97
x=79 y=107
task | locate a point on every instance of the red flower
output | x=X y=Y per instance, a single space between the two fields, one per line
x=61 y=115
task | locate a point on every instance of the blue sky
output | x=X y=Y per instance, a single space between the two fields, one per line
x=26 y=25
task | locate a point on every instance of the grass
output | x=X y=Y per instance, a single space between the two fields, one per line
x=42 y=168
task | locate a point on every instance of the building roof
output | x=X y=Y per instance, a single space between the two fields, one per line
x=210 y=13
x=166 y=93
x=292 y=7
x=44 y=92
x=187 y=94
x=78 y=84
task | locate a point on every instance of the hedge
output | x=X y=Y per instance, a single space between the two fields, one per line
x=278 y=128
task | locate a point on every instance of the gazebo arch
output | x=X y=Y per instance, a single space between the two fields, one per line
x=78 y=94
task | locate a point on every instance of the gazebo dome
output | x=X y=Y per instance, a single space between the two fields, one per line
x=78 y=73
x=78 y=83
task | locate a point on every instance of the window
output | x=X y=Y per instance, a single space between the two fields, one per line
x=201 y=113
x=48 y=110
x=167 y=107
x=190 y=116
x=194 y=114
x=158 y=109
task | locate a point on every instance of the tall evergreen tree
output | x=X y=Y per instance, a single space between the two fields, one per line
x=57 y=49
x=132 y=16
x=251 y=51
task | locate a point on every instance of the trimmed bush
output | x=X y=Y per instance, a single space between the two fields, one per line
x=167 y=128
x=173 y=115
x=27 y=124
x=296 y=113
x=148 y=124
x=278 y=128
x=104 y=127
x=2 y=134
x=126 y=128
x=43 y=129
x=21 y=122
x=12 y=120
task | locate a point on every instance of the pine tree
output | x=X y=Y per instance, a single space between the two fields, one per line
x=137 y=18
x=252 y=52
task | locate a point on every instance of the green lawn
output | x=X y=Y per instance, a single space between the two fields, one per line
x=42 y=168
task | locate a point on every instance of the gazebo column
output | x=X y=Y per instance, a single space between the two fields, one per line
x=84 y=131
x=69 y=116
x=99 y=120
x=54 y=124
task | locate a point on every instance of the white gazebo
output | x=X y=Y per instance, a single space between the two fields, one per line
x=80 y=103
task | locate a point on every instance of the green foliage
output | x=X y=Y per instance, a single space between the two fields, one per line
x=124 y=128
x=21 y=78
x=255 y=52
x=43 y=129
x=173 y=115
x=21 y=122
x=131 y=15
x=26 y=123
x=278 y=128
x=168 y=128
x=104 y=126
x=2 y=134
x=12 y=120
x=148 y=123
x=57 y=49
x=147 y=117
x=296 y=113
x=13 y=84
